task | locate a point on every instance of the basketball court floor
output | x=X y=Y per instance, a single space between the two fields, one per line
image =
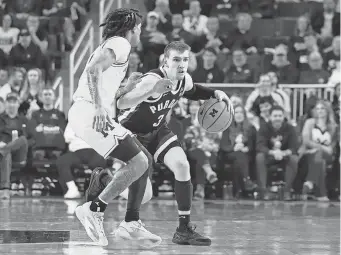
x=48 y=226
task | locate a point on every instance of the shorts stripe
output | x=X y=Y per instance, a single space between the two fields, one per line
x=115 y=145
x=164 y=146
x=127 y=114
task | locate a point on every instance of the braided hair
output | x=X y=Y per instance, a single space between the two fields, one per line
x=119 y=22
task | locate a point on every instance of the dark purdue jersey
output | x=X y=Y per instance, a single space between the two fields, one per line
x=151 y=113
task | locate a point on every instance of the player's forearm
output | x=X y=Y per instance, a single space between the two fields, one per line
x=94 y=81
x=133 y=98
x=121 y=91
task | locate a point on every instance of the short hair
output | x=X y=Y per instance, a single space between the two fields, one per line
x=119 y=22
x=276 y=108
x=177 y=46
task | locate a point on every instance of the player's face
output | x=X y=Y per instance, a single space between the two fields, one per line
x=238 y=114
x=177 y=64
x=277 y=118
x=135 y=36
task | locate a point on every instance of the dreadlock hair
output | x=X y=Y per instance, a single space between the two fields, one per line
x=119 y=22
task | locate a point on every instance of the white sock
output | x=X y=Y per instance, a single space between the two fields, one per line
x=71 y=185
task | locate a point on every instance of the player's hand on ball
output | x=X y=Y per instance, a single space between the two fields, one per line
x=221 y=96
x=163 y=86
x=100 y=119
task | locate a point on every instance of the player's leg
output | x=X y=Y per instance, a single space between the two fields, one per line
x=132 y=228
x=171 y=153
x=114 y=141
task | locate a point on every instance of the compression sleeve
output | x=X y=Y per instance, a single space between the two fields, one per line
x=199 y=92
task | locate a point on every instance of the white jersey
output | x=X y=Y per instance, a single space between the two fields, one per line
x=111 y=78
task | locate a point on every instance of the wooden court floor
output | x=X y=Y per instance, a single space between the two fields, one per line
x=48 y=226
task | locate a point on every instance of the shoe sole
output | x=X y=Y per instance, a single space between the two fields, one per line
x=147 y=243
x=192 y=242
x=95 y=172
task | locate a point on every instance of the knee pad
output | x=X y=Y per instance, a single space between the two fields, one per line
x=181 y=170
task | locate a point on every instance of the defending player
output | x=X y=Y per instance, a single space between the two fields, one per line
x=91 y=118
x=145 y=117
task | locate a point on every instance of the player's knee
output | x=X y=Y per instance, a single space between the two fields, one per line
x=181 y=170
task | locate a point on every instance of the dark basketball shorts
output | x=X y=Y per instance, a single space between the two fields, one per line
x=159 y=142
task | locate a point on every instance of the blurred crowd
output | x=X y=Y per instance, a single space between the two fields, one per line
x=270 y=148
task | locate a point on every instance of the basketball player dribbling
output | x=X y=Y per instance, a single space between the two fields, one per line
x=91 y=118
x=144 y=114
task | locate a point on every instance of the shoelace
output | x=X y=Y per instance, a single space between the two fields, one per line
x=100 y=219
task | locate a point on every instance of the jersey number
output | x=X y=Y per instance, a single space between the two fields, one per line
x=108 y=128
x=160 y=118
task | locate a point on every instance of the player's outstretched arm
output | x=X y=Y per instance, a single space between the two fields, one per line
x=94 y=70
x=148 y=86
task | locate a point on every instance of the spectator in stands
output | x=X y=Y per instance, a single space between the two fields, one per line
x=30 y=95
x=79 y=153
x=208 y=72
x=335 y=75
x=134 y=65
x=336 y=103
x=225 y=10
x=263 y=89
x=286 y=71
x=8 y=34
x=276 y=147
x=21 y=9
x=319 y=138
x=326 y=22
x=285 y=94
x=241 y=37
x=311 y=45
x=38 y=35
x=3 y=78
x=332 y=55
x=165 y=16
x=302 y=29
x=211 y=38
x=179 y=33
x=194 y=21
x=240 y=71
x=315 y=74
x=236 y=99
x=14 y=138
x=199 y=147
x=236 y=146
x=153 y=42
x=3 y=59
x=15 y=83
x=61 y=19
x=49 y=124
x=25 y=53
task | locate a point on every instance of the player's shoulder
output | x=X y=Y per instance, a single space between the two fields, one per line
x=119 y=45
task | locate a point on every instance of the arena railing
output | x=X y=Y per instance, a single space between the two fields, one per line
x=297 y=93
x=84 y=45
x=58 y=87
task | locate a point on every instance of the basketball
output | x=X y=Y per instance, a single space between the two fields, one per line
x=215 y=116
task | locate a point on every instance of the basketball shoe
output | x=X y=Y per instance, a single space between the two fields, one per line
x=188 y=236
x=134 y=230
x=93 y=223
x=96 y=186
